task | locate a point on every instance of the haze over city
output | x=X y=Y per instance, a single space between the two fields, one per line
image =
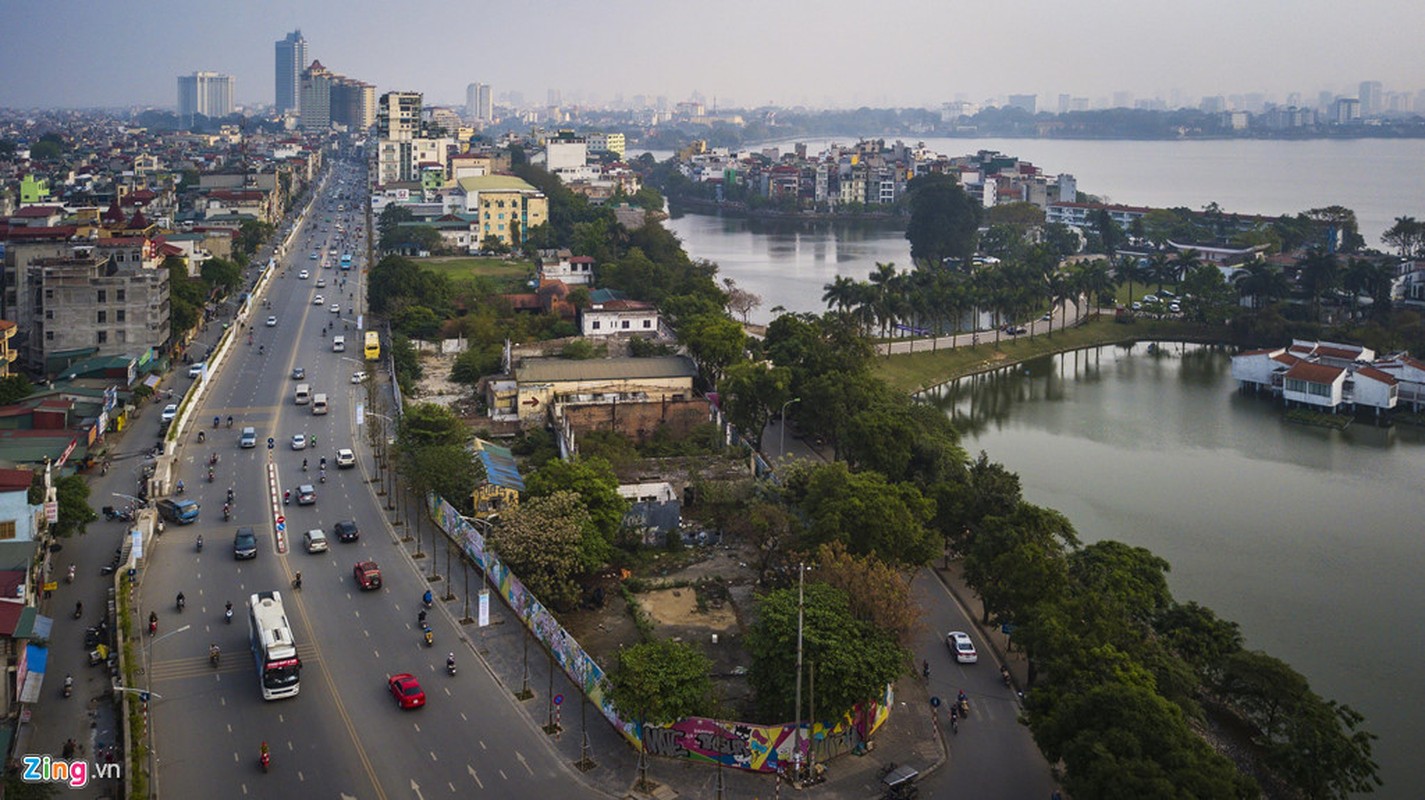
x=821 y=53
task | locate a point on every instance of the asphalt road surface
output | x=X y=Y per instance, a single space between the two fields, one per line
x=343 y=735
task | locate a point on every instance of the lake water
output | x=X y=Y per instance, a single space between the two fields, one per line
x=1310 y=539
x=788 y=263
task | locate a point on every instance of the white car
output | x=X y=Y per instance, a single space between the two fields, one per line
x=336 y=308
x=197 y=369
x=1175 y=308
x=316 y=540
x=271 y=322
x=960 y=644
x=169 y=412
x=318 y=300
x=345 y=459
x=303 y=275
x=321 y=283
x=358 y=377
x=299 y=441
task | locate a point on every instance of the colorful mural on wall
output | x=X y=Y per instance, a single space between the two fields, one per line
x=741 y=745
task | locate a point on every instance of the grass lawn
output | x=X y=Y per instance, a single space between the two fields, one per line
x=916 y=371
x=462 y=267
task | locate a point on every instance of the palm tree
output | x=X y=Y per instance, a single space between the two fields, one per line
x=881 y=281
x=1185 y=262
x=840 y=294
x=1319 y=273
x=1095 y=282
x=1159 y=269
x=1127 y=269
x=1263 y=281
x=1061 y=291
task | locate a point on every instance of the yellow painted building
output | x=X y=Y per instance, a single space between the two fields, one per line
x=7 y=356
x=504 y=206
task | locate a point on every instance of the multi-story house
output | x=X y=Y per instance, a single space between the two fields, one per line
x=507 y=206
x=83 y=304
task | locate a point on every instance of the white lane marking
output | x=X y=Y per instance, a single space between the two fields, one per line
x=503 y=775
x=478 y=782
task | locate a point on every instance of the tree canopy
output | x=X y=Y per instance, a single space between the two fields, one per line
x=662 y=681
x=943 y=220
x=854 y=659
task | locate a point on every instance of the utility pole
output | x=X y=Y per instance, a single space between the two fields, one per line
x=797 y=715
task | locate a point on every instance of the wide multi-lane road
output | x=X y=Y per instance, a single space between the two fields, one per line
x=343 y=735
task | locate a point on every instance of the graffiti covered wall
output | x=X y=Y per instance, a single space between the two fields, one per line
x=741 y=745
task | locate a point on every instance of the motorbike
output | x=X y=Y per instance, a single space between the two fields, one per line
x=70 y=577
x=213 y=460
x=78 y=610
x=228 y=615
x=201 y=437
x=68 y=685
x=180 y=602
x=213 y=656
x=210 y=475
x=429 y=637
x=227 y=513
x=323 y=476
x=450 y=668
x=200 y=542
x=216 y=422
x=265 y=759
x=1004 y=675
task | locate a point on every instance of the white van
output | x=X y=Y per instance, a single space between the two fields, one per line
x=304 y=394
x=338 y=344
x=319 y=403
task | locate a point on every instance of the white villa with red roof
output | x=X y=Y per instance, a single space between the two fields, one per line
x=1333 y=377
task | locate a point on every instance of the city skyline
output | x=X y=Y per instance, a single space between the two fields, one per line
x=789 y=53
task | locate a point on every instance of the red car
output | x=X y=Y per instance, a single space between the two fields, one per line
x=368 y=575
x=407 y=690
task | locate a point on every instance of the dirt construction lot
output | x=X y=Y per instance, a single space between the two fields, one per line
x=690 y=597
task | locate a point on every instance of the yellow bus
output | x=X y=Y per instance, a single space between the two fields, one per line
x=373 y=346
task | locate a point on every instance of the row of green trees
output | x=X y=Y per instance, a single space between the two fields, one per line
x=187 y=295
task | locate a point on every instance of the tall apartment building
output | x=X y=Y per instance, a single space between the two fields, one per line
x=291 y=59
x=398 y=115
x=479 y=104
x=1024 y=102
x=353 y=103
x=1372 y=97
x=329 y=97
x=205 y=93
x=315 y=96
x=398 y=125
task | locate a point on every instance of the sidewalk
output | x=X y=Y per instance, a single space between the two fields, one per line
x=908 y=737
x=91 y=715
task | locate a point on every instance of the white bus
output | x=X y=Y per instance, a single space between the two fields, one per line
x=273 y=648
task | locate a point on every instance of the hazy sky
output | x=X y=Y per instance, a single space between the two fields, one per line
x=787 y=52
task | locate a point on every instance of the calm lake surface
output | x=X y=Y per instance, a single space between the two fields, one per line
x=788 y=263
x=1310 y=539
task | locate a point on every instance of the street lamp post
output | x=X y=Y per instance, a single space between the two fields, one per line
x=148 y=692
x=782 y=435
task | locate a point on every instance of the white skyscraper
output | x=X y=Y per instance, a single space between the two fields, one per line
x=479 y=102
x=205 y=93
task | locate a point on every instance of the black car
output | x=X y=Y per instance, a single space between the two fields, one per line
x=245 y=544
x=346 y=531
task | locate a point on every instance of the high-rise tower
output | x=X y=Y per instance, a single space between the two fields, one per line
x=207 y=93
x=479 y=103
x=291 y=60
